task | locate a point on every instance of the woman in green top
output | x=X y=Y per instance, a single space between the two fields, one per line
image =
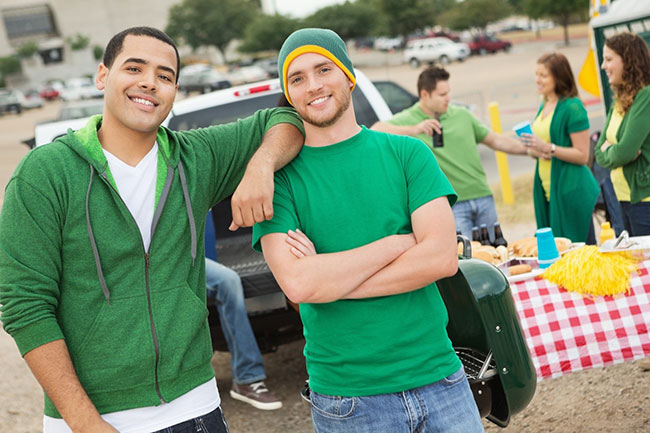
x=564 y=190
x=624 y=148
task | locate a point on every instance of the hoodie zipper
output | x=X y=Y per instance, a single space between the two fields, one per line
x=147 y=264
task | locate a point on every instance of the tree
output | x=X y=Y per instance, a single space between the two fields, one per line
x=9 y=65
x=406 y=16
x=27 y=50
x=476 y=14
x=210 y=22
x=268 y=32
x=349 y=20
x=560 y=11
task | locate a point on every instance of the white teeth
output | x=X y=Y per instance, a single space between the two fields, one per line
x=319 y=100
x=142 y=101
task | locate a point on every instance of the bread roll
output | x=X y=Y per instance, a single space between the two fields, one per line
x=483 y=255
x=503 y=253
x=519 y=269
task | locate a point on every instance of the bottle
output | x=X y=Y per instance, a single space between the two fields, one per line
x=606 y=232
x=498 y=236
x=484 y=236
x=437 y=138
x=475 y=234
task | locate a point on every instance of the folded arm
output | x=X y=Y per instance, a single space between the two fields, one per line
x=318 y=278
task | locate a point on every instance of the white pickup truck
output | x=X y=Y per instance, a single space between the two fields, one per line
x=273 y=320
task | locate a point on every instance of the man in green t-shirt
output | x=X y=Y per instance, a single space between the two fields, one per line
x=458 y=157
x=362 y=227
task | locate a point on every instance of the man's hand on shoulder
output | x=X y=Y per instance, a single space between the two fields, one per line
x=252 y=201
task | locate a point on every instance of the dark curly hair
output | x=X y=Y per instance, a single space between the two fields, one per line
x=636 y=66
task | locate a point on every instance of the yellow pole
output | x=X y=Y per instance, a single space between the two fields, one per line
x=502 y=158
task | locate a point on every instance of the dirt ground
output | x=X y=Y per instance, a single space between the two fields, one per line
x=612 y=399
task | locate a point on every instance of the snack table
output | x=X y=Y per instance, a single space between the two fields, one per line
x=568 y=332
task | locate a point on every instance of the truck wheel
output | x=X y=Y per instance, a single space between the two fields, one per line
x=444 y=60
x=482 y=51
x=506 y=49
x=415 y=63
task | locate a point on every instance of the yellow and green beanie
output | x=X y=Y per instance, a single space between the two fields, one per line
x=320 y=41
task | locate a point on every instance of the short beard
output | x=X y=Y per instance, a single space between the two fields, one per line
x=345 y=104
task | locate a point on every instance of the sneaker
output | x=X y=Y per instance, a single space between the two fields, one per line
x=256 y=394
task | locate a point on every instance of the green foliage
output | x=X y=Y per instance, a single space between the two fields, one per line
x=78 y=42
x=27 y=50
x=476 y=14
x=98 y=52
x=9 y=65
x=406 y=16
x=349 y=20
x=267 y=32
x=210 y=22
x=560 y=11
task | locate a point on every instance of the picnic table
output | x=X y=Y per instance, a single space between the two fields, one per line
x=568 y=332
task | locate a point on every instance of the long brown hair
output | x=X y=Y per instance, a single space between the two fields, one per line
x=558 y=65
x=636 y=66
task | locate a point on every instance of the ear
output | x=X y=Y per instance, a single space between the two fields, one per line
x=102 y=75
x=424 y=94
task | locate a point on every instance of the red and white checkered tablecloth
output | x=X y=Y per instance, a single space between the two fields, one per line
x=567 y=332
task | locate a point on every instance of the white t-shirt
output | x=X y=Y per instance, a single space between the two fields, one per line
x=137 y=188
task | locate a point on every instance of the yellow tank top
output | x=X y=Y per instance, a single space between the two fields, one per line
x=542 y=128
x=621 y=187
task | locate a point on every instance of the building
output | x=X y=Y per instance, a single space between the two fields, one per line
x=52 y=23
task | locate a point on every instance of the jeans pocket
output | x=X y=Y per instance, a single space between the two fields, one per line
x=334 y=407
x=455 y=378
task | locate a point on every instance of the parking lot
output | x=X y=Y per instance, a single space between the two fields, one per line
x=596 y=400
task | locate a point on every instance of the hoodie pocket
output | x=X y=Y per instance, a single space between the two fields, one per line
x=117 y=352
x=181 y=319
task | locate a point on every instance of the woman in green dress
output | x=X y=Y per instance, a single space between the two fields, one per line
x=564 y=190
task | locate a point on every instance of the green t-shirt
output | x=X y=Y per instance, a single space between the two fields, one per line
x=344 y=196
x=458 y=158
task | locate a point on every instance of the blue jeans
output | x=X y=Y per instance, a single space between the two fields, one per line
x=637 y=218
x=446 y=406
x=224 y=285
x=212 y=422
x=473 y=213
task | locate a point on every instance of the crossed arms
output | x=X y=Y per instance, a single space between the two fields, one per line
x=388 y=266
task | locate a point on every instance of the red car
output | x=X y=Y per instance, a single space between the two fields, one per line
x=49 y=93
x=484 y=44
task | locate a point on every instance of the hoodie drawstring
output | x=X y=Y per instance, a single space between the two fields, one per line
x=93 y=244
x=188 y=206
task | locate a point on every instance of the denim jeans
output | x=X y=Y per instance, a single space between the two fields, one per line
x=212 y=422
x=446 y=406
x=637 y=217
x=225 y=287
x=474 y=212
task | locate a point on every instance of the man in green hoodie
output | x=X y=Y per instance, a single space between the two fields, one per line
x=100 y=233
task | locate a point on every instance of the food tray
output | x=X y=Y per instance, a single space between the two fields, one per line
x=532 y=261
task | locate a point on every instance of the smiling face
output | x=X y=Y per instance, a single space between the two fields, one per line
x=612 y=65
x=544 y=80
x=319 y=90
x=140 y=86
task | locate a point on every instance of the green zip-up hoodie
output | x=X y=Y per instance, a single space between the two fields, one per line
x=73 y=265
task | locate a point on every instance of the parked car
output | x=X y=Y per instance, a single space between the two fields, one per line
x=247 y=74
x=80 y=88
x=387 y=44
x=49 y=93
x=10 y=102
x=31 y=99
x=270 y=66
x=431 y=50
x=483 y=44
x=443 y=34
x=79 y=109
x=201 y=79
x=272 y=318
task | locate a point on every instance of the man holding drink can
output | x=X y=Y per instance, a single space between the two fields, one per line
x=456 y=149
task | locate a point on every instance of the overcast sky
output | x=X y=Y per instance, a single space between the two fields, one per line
x=296 y=8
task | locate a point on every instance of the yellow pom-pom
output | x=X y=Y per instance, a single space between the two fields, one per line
x=588 y=271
